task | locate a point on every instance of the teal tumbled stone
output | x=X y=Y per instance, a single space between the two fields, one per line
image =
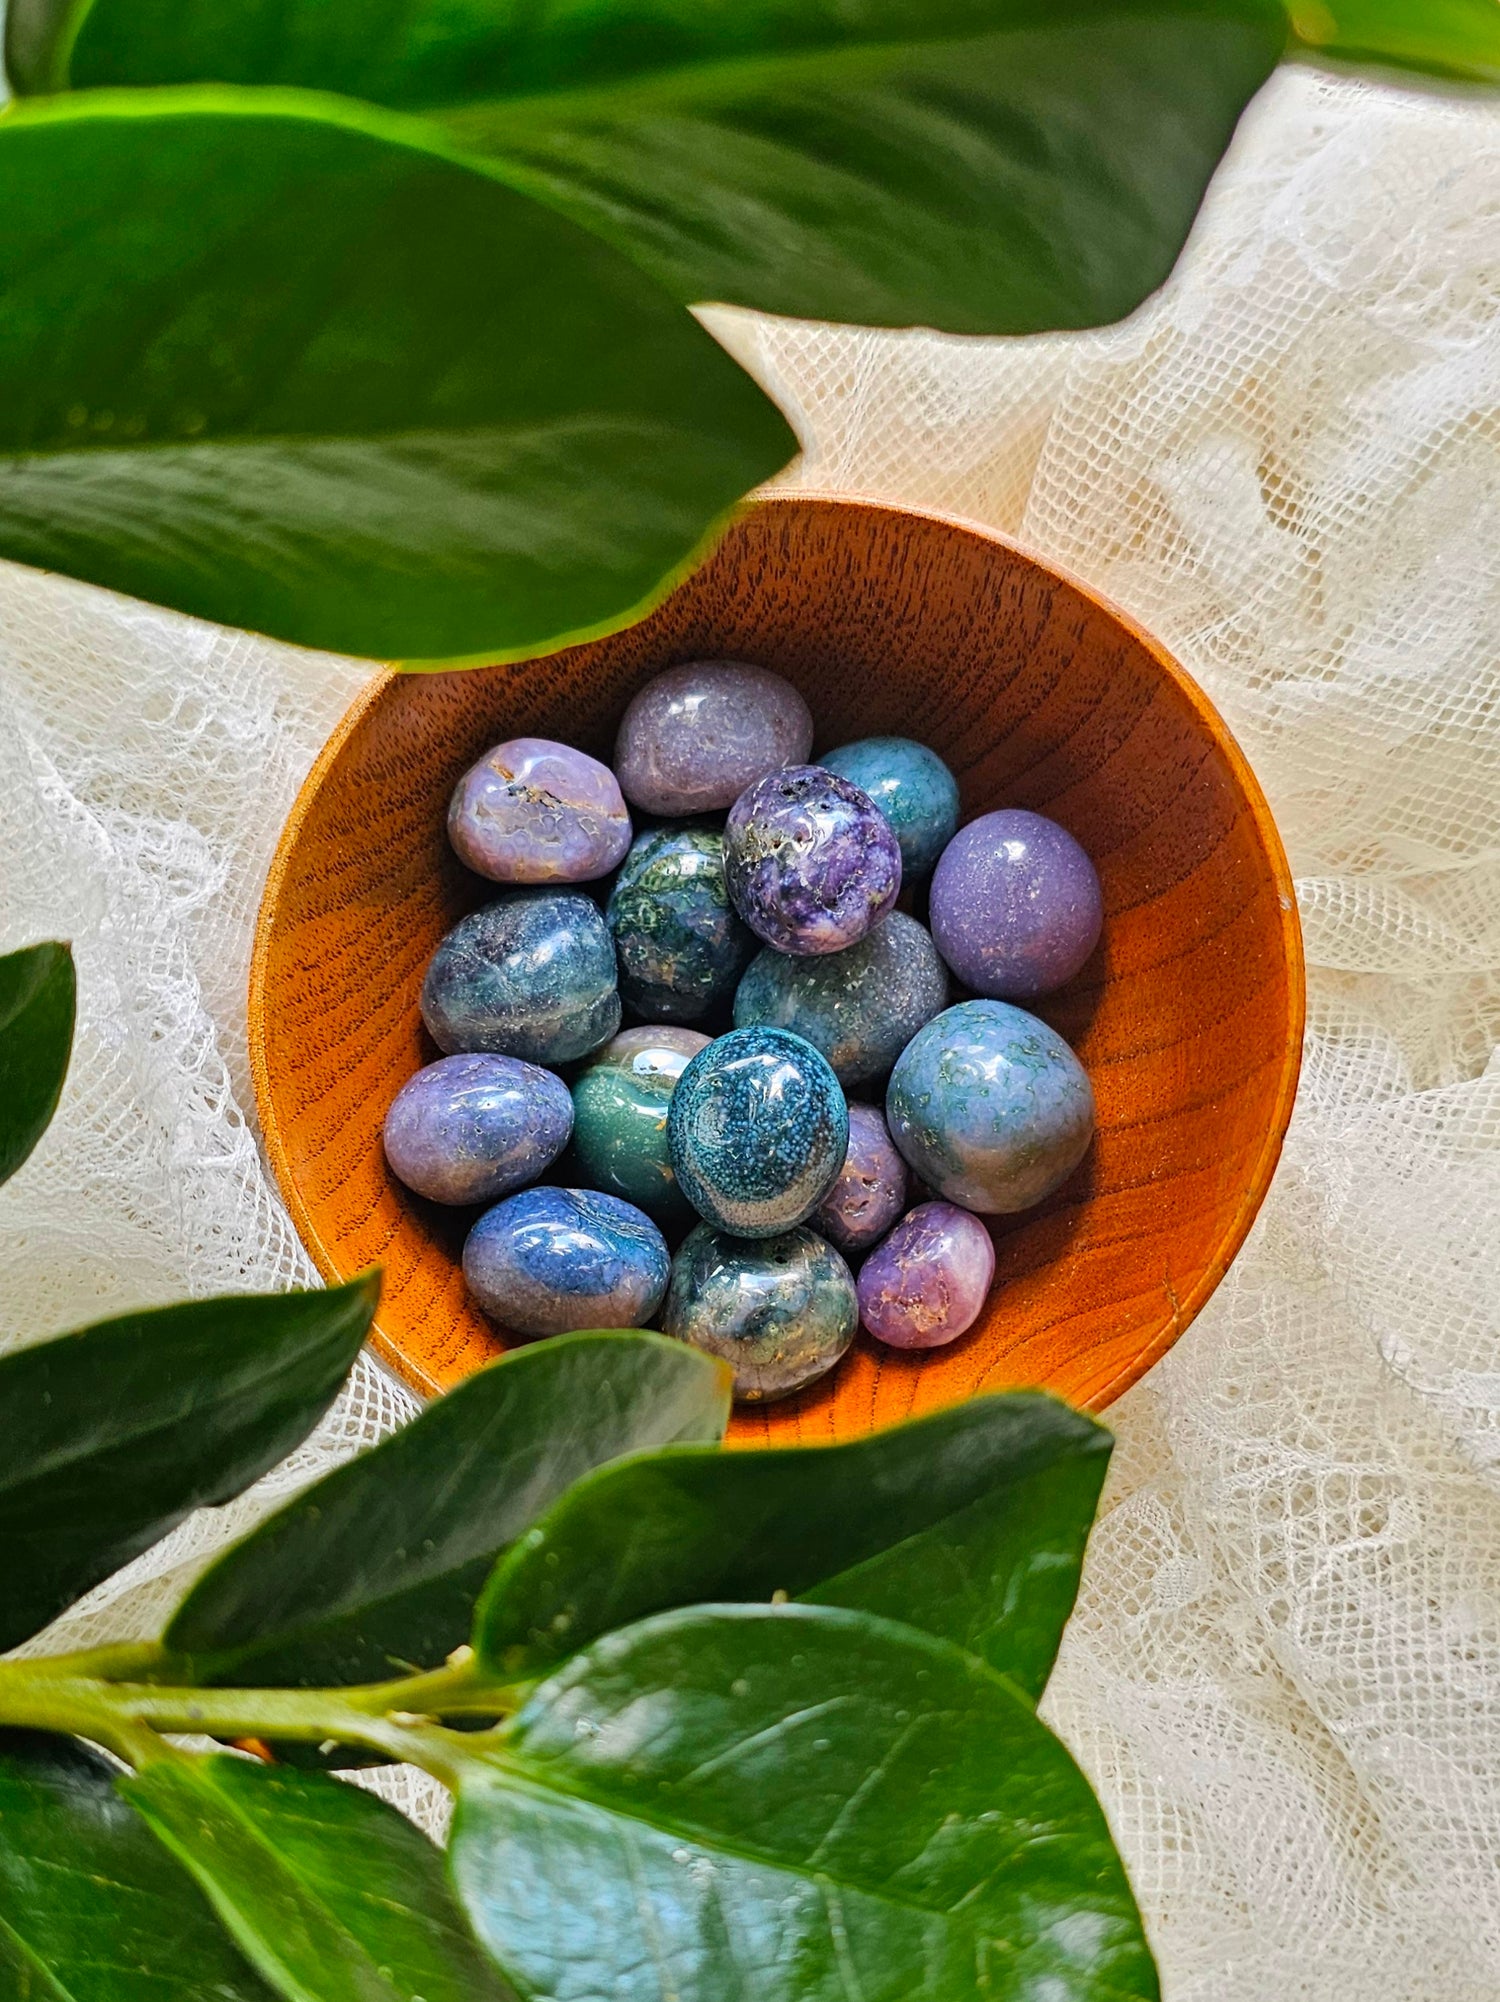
x=913 y=788
x=781 y=1311
x=620 y=1117
x=680 y=946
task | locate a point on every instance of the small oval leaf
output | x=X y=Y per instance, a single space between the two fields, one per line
x=37 y=1003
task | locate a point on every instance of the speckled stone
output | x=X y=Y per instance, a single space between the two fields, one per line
x=913 y=788
x=990 y=1107
x=531 y=975
x=757 y=1131
x=927 y=1284
x=532 y=811
x=860 y=1007
x=780 y=1311
x=470 y=1128
x=870 y=1192
x=550 y=1260
x=1016 y=905
x=680 y=945
x=620 y=1117
x=697 y=735
x=811 y=861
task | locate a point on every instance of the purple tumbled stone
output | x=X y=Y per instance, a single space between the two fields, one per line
x=927 y=1284
x=470 y=1128
x=811 y=861
x=1016 y=906
x=532 y=811
x=696 y=736
x=870 y=1192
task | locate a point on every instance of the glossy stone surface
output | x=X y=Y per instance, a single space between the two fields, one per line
x=1016 y=905
x=811 y=861
x=549 y=1260
x=870 y=1192
x=696 y=736
x=470 y=1128
x=860 y=1007
x=620 y=1116
x=913 y=788
x=532 y=811
x=990 y=1107
x=680 y=945
x=531 y=975
x=781 y=1311
x=927 y=1284
x=757 y=1131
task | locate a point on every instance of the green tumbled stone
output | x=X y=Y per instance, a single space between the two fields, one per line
x=620 y=1117
x=679 y=944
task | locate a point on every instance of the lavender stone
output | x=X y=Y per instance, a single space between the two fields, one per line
x=473 y=1127
x=532 y=811
x=913 y=788
x=780 y=1311
x=696 y=736
x=1016 y=905
x=530 y=975
x=811 y=861
x=990 y=1107
x=927 y=1284
x=549 y=1260
x=870 y=1192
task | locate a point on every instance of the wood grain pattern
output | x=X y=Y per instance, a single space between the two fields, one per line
x=1039 y=694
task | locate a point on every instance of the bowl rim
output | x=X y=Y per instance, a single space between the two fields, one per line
x=1182 y=1310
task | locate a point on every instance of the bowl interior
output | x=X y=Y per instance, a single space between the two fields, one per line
x=1188 y=1018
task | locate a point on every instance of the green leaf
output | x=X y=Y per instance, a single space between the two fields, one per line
x=970 y=1524
x=284 y=363
x=37 y=1000
x=333 y=1895
x=790 y=1804
x=115 y=1433
x=92 y=1908
x=376 y=1567
x=1455 y=39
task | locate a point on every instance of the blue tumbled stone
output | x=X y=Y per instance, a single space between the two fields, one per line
x=550 y=1260
x=531 y=975
x=913 y=788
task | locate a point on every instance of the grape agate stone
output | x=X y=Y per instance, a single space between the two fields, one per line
x=990 y=1107
x=927 y=1284
x=696 y=736
x=619 y=1108
x=860 y=1007
x=757 y=1131
x=811 y=861
x=780 y=1311
x=532 y=975
x=870 y=1192
x=680 y=946
x=913 y=788
x=549 y=1260
x=532 y=811
x=470 y=1128
x=1016 y=905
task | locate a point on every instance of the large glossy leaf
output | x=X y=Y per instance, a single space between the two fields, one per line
x=115 y=1433
x=333 y=1895
x=1456 y=39
x=276 y=361
x=376 y=1567
x=36 y=1037
x=92 y=1908
x=794 y=1804
x=970 y=1524
x=986 y=166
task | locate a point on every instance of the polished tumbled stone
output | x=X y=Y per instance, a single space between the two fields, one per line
x=549 y=1260
x=620 y=1116
x=532 y=811
x=1016 y=905
x=781 y=1311
x=680 y=945
x=470 y=1128
x=531 y=975
x=927 y=1284
x=860 y=1007
x=870 y=1192
x=757 y=1131
x=696 y=736
x=990 y=1107
x=811 y=861
x=913 y=788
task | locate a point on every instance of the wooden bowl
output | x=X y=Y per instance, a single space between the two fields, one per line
x=1038 y=694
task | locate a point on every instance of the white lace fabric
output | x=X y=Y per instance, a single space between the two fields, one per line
x=1284 y=1673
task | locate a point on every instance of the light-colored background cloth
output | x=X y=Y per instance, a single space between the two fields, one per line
x=1284 y=1675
